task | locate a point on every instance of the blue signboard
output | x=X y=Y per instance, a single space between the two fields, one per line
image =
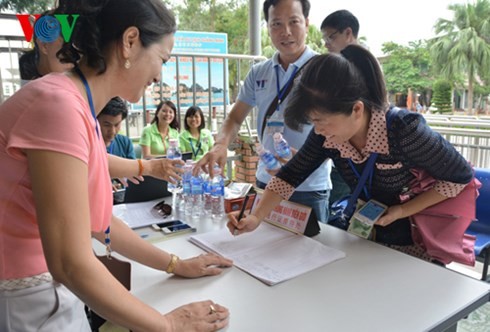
x=190 y=42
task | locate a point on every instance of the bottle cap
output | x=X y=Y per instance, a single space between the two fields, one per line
x=277 y=136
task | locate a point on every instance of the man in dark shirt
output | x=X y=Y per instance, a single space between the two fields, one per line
x=110 y=119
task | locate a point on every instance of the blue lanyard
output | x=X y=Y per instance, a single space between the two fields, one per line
x=281 y=92
x=198 y=146
x=89 y=97
x=107 y=232
x=366 y=192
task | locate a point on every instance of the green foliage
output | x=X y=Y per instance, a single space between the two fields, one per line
x=27 y=6
x=407 y=68
x=463 y=47
x=314 y=39
x=441 y=98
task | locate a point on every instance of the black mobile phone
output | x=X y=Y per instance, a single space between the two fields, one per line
x=171 y=223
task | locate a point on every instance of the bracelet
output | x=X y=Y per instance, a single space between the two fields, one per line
x=140 y=167
x=171 y=265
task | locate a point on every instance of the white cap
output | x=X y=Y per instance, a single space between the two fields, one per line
x=277 y=136
x=173 y=141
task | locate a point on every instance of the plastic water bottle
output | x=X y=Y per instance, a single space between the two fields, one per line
x=282 y=146
x=271 y=163
x=173 y=152
x=196 y=194
x=206 y=191
x=217 y=194
x=186 y=204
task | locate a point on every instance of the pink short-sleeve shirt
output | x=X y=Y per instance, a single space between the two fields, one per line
x=46 y=114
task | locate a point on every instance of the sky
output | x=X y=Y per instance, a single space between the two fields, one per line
x=383 y=21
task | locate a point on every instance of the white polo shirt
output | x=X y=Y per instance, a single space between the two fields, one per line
x=260 y=89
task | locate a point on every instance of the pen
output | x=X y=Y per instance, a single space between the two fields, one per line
x=242 y=212
x=244 y=206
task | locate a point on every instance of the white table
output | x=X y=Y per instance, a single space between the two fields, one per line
x=373 y=289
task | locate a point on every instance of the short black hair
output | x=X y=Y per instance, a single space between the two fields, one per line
x=305 y=4
x=114 y=107
x=190 y=112
x=341 y=20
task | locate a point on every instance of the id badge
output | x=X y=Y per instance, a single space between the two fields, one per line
x=275 y=124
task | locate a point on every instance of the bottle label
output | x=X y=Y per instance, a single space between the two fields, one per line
x=275 y=124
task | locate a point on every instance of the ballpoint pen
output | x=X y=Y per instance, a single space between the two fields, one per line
x=242 y=212
x=244 y=207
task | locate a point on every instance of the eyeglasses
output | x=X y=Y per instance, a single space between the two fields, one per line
x=328 y=39
x=162 y=209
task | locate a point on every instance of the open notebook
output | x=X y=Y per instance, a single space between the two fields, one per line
x=270 y=254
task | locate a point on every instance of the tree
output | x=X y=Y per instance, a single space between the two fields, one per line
x=463 y=49
x=442 y=96
x=314 y=39
x=27 y=6
x=408 y=68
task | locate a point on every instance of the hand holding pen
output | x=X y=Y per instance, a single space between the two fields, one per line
x=240 y=224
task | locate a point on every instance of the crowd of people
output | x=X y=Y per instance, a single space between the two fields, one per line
x=61 y=131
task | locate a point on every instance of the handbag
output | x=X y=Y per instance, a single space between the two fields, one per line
x=440 y=229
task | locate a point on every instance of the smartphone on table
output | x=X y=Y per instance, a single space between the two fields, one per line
x=174 y=227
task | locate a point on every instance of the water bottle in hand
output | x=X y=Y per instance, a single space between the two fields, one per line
x=173 y=152
x=271 y=163
x=282 y=147
x=217 y=194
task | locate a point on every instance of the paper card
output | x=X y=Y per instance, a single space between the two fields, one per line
x=291 y=216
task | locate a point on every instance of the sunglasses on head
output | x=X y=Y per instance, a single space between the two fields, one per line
x=162 y=209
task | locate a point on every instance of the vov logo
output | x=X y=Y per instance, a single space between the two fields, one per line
x=47 y=28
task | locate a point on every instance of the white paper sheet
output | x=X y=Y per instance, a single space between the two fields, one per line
x=270 y=254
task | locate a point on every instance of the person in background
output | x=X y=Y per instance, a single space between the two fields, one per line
x=344 y=96
x=41 y=59
x=117 y=48
x=154 y=140
x=287 y=24
x=195 y=138
x=339 y=29
x=110 y=119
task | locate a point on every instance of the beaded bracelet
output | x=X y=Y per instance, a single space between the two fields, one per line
x=173 y=262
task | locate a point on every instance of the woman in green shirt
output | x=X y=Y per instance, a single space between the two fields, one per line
x=195 y=138
x=154 y=140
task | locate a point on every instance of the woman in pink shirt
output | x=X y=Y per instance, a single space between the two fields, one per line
x=56 y=190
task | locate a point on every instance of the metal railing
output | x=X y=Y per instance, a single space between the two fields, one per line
x=470 y=135
x=139 y=119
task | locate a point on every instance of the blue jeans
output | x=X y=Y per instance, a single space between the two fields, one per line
x=317 y=200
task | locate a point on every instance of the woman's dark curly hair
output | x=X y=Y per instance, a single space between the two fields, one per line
x=102 y=23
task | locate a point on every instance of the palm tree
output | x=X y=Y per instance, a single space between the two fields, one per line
x=463 y=49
